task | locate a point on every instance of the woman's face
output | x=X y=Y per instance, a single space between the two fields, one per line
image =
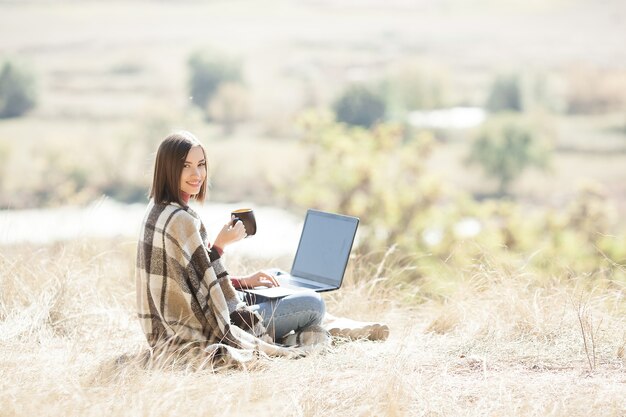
x=194 y=171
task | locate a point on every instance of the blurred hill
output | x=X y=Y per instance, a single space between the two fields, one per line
x=112 y=80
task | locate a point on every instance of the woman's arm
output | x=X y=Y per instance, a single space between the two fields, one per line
x=237 y=283
x=230 y=234
x=257 y=279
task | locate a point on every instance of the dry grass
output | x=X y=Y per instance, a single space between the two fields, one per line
x=500 y=345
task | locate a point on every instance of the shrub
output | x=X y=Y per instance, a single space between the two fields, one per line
x=375 y=174
x=506 y=146
x=17 y=90
x=505 y=94
x=435 y=235
x=359 y=105
x=416 y=87
x=208 y=71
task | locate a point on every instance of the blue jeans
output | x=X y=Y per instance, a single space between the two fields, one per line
x=294 y=312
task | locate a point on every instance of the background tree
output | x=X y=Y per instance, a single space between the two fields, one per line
x=417 y=86
x=381 y=175
x=505 y=94
x=376 y=174
x=17 y=90
x=506 y=146
x=229 y=106
x=359 y=105
x=593 y=90
x=209 y=70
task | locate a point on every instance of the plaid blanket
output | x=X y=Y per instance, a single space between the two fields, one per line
x=184 y=294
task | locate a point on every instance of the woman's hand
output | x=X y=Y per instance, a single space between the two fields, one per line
x=230 y=234
x=258 y=279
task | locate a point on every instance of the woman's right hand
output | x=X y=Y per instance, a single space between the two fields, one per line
x=230 y=234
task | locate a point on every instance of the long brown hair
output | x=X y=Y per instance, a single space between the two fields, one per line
x=168 y=167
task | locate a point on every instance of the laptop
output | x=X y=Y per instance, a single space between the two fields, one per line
x=321 y=259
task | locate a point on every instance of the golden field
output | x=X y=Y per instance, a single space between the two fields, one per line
x=504 y=343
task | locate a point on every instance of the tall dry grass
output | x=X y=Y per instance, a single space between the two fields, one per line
x=503 y=343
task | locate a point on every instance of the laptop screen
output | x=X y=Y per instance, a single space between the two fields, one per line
x=325 y=246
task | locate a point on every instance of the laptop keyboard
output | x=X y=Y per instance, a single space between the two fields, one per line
x=290 y=284
x=302 y=284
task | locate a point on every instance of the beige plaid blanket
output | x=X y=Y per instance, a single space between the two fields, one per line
x=184 y=293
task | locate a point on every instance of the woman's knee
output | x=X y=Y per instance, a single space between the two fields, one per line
x=313 y=302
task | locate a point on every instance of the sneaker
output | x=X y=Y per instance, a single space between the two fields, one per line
x=312 y=336
x=356 y=330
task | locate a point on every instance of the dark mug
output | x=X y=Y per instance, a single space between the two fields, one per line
x=246 y=216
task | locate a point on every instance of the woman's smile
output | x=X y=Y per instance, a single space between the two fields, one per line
x=194 y=171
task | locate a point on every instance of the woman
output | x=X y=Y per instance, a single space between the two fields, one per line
x=185 y=296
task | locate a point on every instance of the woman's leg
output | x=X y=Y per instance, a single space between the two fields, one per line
x=294 y=312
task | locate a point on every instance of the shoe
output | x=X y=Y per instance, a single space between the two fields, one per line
x=356 y=330
x=312 y=336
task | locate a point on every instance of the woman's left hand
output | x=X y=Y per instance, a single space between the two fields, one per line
x=230 y=234
x=259 y=279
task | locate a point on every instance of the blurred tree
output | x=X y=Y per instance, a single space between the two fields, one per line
x=589 y=212
x=359 y=105
x=381 y=176
x=229 y=106
x=415 y=87
x=505 y=94
x=17 y=90
x=375 y=174
x=208 y=71
x=506 y=146
x=592 y=90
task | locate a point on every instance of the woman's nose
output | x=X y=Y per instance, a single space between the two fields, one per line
x=197 y=172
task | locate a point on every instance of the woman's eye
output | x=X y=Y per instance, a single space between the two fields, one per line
x=201 y=164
